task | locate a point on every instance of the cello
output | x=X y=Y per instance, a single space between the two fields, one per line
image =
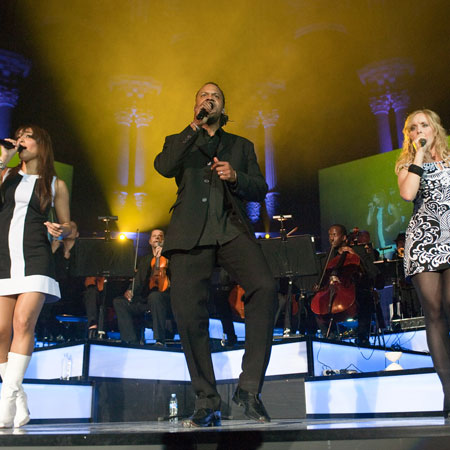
x=335 y=299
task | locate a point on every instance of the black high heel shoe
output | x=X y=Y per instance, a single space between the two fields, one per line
x=446 y=411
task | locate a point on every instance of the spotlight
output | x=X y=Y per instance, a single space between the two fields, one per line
x=122 y=236
x=267 y=236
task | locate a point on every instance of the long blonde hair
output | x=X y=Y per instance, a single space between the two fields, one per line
x=409 y=152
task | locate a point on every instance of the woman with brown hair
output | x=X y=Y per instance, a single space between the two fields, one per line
x=27 y=278
x=423 y=170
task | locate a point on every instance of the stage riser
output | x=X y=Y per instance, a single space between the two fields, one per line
x=109 y=361
x=143 y=363
x=374 y=395
x=133 y=384
x=327 y=355
x=47 y=363
x=141 y=400
x=68 y=402
x=215 y=331
x=409 y=340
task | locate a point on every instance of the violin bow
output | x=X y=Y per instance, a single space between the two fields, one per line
x=135 y=261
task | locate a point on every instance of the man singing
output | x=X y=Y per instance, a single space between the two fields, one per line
x=215 y=173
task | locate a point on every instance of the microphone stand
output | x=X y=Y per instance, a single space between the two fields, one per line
x=101 y=312
x=288 y=274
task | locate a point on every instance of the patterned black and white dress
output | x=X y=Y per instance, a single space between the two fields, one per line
x=427 y=247
x=26 y=260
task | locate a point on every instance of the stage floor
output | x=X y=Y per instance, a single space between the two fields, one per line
x=367 y=434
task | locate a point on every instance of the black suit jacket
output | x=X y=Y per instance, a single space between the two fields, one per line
x=182 y=158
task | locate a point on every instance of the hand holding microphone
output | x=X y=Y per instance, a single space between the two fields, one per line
x=202 y=112
x=205 y=110
x=9 y=145
x=8 y=149
x=158 y=249
x=420 y=143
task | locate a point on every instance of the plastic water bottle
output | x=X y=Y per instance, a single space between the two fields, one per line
x=66 y=367
x=173 y=409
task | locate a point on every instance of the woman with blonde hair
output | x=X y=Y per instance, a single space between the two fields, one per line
x=27 y=278
x=423 y=170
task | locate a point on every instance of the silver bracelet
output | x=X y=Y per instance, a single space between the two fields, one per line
x=2 y=165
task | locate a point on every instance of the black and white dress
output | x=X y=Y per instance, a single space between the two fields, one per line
x=26 y=260
x=427 y=247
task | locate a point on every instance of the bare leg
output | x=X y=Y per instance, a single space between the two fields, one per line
x=7 y=305
x=26 y=313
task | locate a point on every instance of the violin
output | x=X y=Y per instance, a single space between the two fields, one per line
x=336 y=296
x=159 y=279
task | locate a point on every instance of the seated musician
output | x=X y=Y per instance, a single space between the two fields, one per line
x=362 y=237
x=409 y=302
x=151 y=293
x=358 y=271
x=370 y=278
x=92 y=297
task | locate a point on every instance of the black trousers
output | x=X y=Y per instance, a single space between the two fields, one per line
x=159 y=305
x=191 y=271
x=366 y=308
x=92 y=298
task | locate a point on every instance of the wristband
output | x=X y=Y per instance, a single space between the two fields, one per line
x=195 y=126
x=414 y=168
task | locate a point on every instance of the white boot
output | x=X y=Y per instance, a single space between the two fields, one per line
x=3 y=369
x=12 y=392
x=22 y=413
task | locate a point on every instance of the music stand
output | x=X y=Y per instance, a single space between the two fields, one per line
x=100 y=257
x=290 y=257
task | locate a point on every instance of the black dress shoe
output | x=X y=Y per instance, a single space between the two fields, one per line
x=253 y=405
x=203 y=417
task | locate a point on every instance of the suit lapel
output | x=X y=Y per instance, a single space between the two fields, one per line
x=225 y=145
x=223 y=150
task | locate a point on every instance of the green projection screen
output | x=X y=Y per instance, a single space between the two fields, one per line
x=364 y=194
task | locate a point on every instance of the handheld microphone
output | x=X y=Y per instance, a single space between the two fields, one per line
x=203 y=113
x=422 y=142
x=9 y=145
